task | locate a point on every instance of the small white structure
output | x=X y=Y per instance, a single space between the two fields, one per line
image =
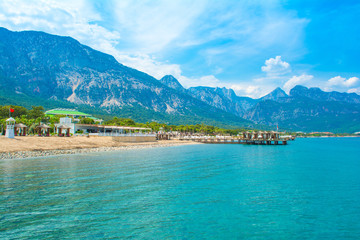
x=10 y=123
x=67 y=122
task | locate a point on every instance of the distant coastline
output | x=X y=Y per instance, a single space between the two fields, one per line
x=352 y=136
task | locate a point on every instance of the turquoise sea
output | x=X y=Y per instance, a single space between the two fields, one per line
x=309 y=189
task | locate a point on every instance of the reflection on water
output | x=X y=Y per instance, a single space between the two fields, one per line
x=308 y=189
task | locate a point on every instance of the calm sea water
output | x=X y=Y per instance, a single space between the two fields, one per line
x=309 y=189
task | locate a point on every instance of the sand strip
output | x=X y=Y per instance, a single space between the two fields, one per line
x=26 y=147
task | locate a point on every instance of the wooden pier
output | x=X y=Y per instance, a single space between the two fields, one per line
x=250 y=138
x=239 y=141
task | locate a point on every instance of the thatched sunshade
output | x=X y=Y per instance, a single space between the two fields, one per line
x=43 y=128
x=63 y=127
x=20 y=125
x=20 y=129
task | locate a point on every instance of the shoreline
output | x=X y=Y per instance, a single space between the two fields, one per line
x=30 y=147
x=33 y=146
x=349 y=136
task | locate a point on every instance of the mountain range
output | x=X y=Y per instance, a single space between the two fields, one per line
x=36 y=67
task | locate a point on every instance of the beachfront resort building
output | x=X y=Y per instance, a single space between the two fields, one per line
x=72 y=113
x=108 y=130
x=97 y=129
x=70 y=118
x=70 y=124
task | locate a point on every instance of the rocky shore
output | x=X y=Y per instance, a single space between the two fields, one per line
x=14 y=148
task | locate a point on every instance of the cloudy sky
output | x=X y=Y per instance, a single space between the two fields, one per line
x=251 y=46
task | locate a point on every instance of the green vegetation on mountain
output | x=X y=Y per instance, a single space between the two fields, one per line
x=53 y=71
x=37 y=68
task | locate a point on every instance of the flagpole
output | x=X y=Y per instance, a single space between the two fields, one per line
x=10 y=111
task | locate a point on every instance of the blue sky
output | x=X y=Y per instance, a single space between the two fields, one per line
x=249 y=46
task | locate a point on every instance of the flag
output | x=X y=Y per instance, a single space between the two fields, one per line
x=12 y=110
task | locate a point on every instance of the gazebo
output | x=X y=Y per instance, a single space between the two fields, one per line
x=246 y=135
x=275 y=135
x=43 y=130
x=60 y=131
x=261 y=135
x=20 y=129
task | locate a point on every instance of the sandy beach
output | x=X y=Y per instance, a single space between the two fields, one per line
x=33 y=146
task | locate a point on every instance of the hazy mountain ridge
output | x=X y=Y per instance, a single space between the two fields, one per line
x=319 y=95
x=305 y=109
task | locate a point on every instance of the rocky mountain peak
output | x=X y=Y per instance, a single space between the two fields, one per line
x=226 y=92
x=275 y=95
x=300 y=91
x=171 y=82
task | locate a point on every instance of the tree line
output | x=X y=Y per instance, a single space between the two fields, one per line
x=156 y=126
x=36 y=115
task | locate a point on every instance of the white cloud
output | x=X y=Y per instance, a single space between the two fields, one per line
x=275 y=66
x=336 y=81
x=247 y=90
x=340 y=81
x=354 y=90
x=352 y=82
x=342 y=84
x=297 y=80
